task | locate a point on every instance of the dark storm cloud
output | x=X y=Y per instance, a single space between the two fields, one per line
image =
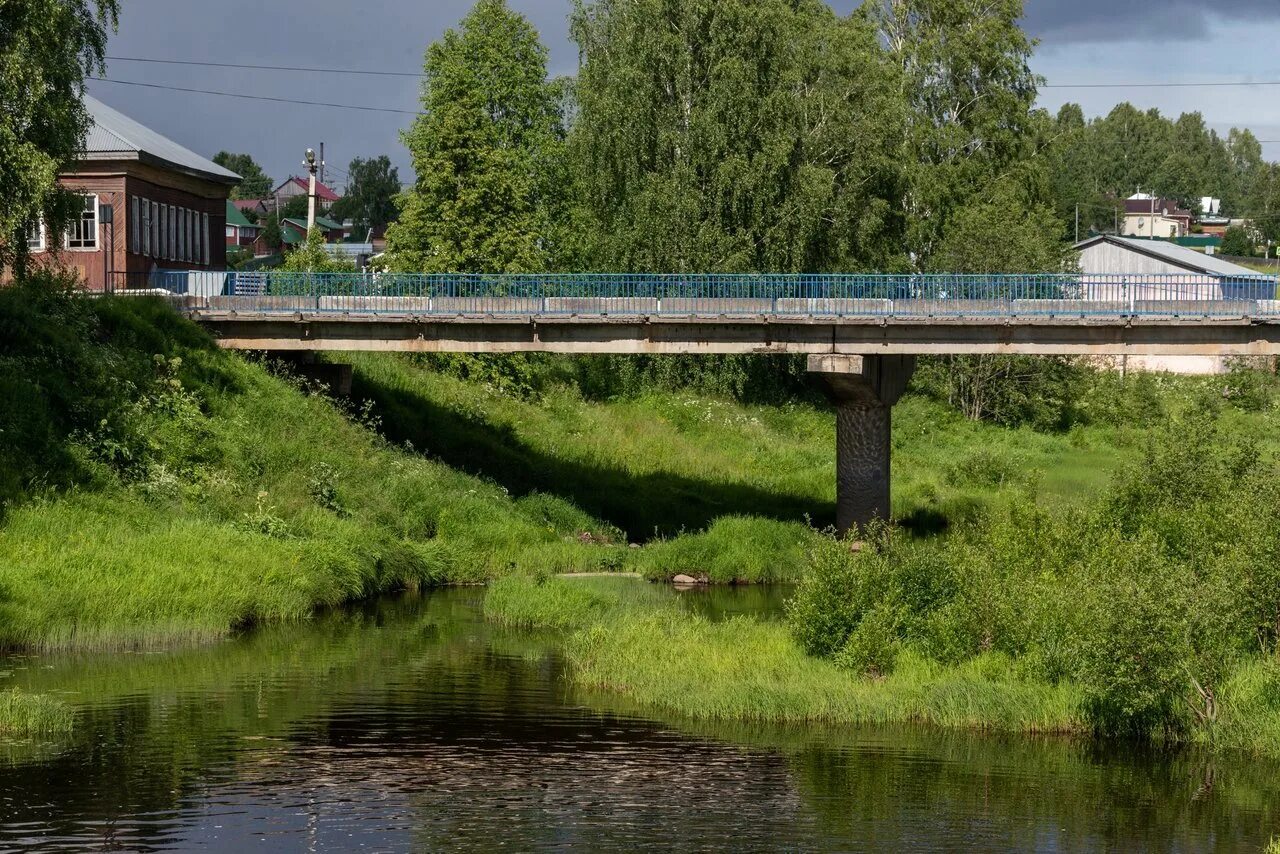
x=1057 y=22
x=392 y=34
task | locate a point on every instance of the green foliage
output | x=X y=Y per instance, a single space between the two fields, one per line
x=271 y=231
x=1043 y=392
x=969 y=92
x=733 y=548
x=666 y=660
x=1236 y=241
x=735 y=136
x=311 y=257
x=1097 y=163
x=1147 y=601
x=28 y=715
x=47 y=50
x=1003 y=230
x=369 y=200
x=254 y=183
x=486 y=153
x=160 y=490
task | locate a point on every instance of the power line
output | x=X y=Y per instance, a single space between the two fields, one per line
x=1161 y=85
x=385 y=73
x=259 y=97
x=303 y=68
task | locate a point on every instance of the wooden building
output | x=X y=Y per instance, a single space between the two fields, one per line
x=296 y=186
x=149 y=204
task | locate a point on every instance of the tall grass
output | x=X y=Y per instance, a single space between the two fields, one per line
x=675 y=663
x=27 y=715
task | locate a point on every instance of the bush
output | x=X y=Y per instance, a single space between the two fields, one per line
x=1147 y=602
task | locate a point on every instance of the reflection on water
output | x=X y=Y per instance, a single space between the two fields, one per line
x=412 y=725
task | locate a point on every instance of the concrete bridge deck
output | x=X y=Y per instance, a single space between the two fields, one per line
x=1069 y=314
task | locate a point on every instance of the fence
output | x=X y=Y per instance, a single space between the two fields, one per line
x=843 y=295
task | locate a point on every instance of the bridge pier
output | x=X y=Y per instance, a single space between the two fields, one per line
x=863 y=389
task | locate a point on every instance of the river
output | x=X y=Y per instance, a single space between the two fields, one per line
x=411 y=724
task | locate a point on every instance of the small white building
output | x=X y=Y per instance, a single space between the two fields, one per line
x=1176 y=273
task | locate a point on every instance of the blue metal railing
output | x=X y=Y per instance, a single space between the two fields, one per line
x=764 y=294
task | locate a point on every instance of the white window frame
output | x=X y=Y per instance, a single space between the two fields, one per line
x=155 y=230
x=97 y=224
x=171 y=248
x=204 y=238
x=182 y=235
x=135 y=225
x=42 y=238
x=146 y=227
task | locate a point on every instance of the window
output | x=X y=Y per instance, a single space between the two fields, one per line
x=182 y=234
x=35 y=236
x=135 y=225
x=83 y=233
x=173 y=233
x=191 y=235
x=155 y=230
x=204 y=238
x=162 y=248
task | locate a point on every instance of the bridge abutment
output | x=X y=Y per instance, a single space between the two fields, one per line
x=863 y=389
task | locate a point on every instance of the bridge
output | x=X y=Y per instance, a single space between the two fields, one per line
x=862 y=333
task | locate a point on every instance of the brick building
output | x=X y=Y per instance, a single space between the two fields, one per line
x=167 y=206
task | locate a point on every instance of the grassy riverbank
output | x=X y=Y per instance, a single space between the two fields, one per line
x=159 y=490
x=680 y=664
x=666 y=661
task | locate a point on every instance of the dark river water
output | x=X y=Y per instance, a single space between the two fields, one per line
x=410 y=724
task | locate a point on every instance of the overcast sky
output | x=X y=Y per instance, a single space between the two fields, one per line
x=1081 y=41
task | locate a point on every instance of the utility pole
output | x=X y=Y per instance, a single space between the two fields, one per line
x=322 y=163
x=311 y=190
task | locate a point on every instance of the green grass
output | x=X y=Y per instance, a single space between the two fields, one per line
x=674 y=663
x=26 y=715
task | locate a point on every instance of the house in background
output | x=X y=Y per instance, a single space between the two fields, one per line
x=149 y=203
x=1106 y=259
x=296 y=186
x=1148 y=216
x=333 y=231
x=258 y=208
x=240 y=232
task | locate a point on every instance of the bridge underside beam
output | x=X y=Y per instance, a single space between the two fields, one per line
x=570 y=334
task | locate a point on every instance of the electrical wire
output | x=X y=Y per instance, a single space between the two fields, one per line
x=246 y=96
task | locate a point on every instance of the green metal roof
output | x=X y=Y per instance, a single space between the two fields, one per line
x=324 y=223
x=236 y=218
x=291 y=234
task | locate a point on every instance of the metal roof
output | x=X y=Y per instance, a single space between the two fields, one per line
x=1181 y=256
x=234 y=217
x=114 y=136
x=323 y=192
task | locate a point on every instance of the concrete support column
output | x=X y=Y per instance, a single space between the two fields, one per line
x=863 y=389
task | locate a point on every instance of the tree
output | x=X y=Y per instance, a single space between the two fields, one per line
x=735 y=135
x=254 y=183
x=312 y=257
x=271 y=231
x=487 y=152
x=965 y=75
x=1004 y=232
x=47 y=48
x=1236 y=241
x=370 y=198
